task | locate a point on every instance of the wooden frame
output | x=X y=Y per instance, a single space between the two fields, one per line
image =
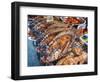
x=15 y=41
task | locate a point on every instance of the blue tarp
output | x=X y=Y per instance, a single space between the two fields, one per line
x=32 y=55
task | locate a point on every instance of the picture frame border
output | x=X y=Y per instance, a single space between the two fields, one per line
x=15 y=40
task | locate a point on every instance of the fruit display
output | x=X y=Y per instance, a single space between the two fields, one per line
x=59 y=40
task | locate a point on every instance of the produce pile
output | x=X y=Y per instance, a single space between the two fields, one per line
x=59 y=40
